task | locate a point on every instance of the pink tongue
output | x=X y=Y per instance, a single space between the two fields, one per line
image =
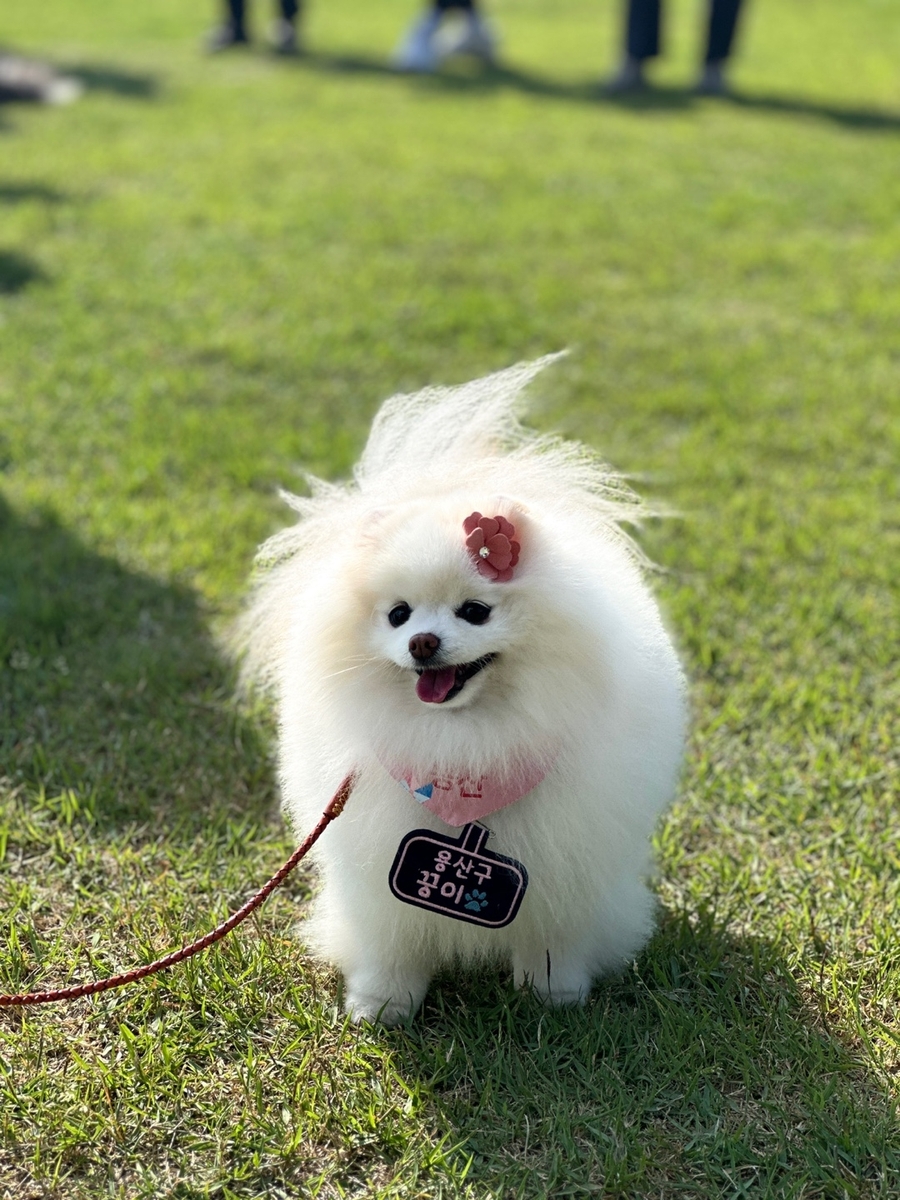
x=433 y=686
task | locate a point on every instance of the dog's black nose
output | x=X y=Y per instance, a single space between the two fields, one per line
x=424 y=645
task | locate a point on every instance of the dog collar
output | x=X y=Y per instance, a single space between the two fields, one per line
x=460 y=799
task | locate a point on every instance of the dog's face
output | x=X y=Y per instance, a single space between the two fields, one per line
x=447 y=630
x=425 y=660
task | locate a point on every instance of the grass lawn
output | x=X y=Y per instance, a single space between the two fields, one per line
x=211 y=271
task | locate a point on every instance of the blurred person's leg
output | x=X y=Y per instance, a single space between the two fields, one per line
x=416 y=51
x=641 y=42
x=420 y=49
x=642 y=29
x=723 y=19
x=233 y=29
x=474 y=37
x=284 y=31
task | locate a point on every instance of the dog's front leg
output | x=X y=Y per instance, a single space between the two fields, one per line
x=385 y=990
x=557 y=977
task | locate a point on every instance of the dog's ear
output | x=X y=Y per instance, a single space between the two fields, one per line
x=371 y=522
x=518 y=515
x=509 y=506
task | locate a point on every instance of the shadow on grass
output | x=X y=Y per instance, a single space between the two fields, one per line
x=99 y=77
x=20 y=193
x=111 y=684
x=650 y=99
x=17 y=271
x=854 y=118
x=702 y=1071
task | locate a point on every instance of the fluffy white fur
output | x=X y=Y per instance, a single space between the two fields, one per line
x=584 y=670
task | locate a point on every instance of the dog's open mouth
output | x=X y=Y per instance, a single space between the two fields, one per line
x=437 y=685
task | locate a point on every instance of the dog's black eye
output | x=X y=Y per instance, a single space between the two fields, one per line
x=474 y=612
x=399 y=614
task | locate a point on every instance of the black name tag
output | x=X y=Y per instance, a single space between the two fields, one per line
x=457 y=877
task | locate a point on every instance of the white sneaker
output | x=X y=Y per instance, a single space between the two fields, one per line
x=63 y=89
x=283 y=37
x=628 y=78
x=223 y=37
x=712 y=81
x=472 y=36
x=29 y=79
x=417 y=51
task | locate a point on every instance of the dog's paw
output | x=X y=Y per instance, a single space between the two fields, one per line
x=386 y=1010
x=563 y=986
x=375 y=993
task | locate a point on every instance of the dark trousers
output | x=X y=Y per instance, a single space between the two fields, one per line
x=443 y=5
x=642 y=37
x=237 y=13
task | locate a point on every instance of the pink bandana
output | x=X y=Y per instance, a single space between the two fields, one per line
x=457 y=800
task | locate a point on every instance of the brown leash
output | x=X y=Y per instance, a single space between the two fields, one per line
x=334 y=809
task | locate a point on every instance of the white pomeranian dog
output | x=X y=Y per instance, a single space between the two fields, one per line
x=467 y=628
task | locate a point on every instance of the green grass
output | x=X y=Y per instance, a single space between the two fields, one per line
x=210 y=273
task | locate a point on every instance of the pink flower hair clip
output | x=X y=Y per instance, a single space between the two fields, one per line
x=490 y=542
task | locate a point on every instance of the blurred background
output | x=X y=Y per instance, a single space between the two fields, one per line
x=214 y=267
